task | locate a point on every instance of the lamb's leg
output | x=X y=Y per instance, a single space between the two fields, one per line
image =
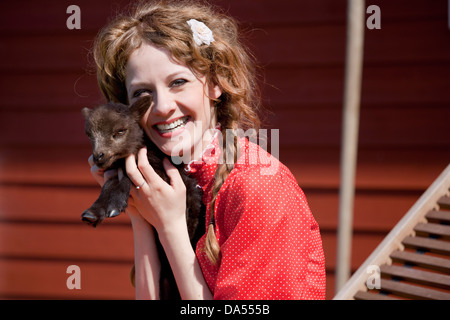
x=112 y=201
x=118 y=201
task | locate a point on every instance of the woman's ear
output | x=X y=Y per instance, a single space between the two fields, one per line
x=214 y=91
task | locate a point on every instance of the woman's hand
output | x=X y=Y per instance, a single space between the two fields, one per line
x=161 y=204
x=164 y=206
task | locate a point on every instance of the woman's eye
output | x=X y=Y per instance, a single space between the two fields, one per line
x=178 y=82
x=141 y=92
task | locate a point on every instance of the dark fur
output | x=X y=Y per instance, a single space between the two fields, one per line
x=115 y=133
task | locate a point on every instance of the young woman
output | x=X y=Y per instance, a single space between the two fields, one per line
x=261 y=240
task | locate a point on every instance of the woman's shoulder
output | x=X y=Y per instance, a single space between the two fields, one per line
x=255 y=160
x=256 y=168
x=260 y=188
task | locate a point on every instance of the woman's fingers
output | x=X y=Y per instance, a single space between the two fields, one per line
x=132 y=170
x=159 y=203
x=96 y=172
x=143 y=175
x=101 y=175
x=91 y=160
x=174 y=175
x=139 y=171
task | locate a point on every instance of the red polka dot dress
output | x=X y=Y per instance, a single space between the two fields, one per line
x=270 y=243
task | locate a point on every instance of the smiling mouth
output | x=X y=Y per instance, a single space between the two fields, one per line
x=173 y=126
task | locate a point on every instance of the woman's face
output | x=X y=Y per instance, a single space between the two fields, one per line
x=182 y=113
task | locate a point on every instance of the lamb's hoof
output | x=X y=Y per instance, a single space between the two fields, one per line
x=113 y=213
x=90 y=218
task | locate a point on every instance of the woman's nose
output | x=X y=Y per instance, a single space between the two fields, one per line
x=164 y=104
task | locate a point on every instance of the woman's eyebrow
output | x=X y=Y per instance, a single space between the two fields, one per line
x=138 y=84
x=142 y=83
x=177 y=74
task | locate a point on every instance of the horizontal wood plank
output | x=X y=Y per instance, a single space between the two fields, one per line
x=96 y=15
x=51 y=204
x=68 y=242
x=417 y=276
x=413 y=291
x=381 y=85
x=64 y=204
x=48 y=91
x=304 y=45
x=375 y=212
x=377 y=168
x=362 y=245
x=50 y=165
x=44 y=279
x=444 y=202
x=291 y=86
x=425 y=229
x=314 y=167
x=314 y=128
x=318 y=45
x=50 y=16
x=422 y=127
x=437 y=246
x=364 y=295
x=48 y=54
x=438 y=216
x=422 y=260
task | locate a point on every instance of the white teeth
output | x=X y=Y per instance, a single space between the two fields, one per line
x=172 y=126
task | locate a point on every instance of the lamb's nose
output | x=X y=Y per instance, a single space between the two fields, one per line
x=98 y=157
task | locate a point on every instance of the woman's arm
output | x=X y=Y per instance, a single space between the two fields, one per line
x=147 y=264
x=163 y=206
x=183 y=261
x=146 y=261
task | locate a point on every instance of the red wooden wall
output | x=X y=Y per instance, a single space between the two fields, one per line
x=45 y=183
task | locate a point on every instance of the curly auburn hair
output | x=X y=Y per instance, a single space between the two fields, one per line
x=225 y=62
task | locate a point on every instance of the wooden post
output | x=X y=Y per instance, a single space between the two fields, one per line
x=349 y=144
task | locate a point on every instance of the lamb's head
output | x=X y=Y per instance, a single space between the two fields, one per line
x=114 y=130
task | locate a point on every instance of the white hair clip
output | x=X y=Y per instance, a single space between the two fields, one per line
x=202 y=34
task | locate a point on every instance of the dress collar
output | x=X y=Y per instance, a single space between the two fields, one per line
x=204 y=168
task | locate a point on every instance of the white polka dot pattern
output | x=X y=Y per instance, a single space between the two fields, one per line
x=270 y=243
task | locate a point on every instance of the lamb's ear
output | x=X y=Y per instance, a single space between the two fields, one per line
x=86 y=112
x=141 y=106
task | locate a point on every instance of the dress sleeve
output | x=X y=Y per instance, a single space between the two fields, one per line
x=270 y=243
